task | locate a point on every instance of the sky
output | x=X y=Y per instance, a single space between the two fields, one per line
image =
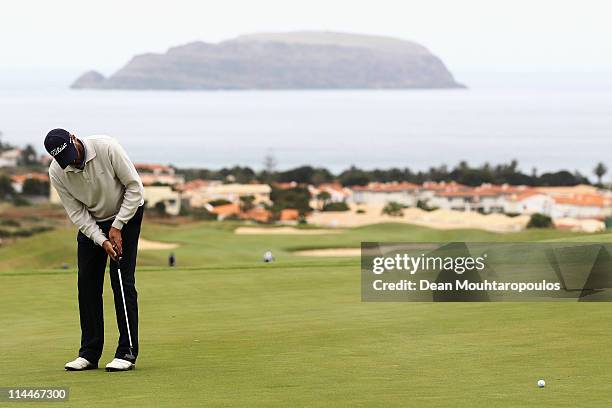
x=62 y=38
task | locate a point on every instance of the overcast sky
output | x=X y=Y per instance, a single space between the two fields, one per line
x=469 y=35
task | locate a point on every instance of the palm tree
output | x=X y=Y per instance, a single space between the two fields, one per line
x=600 y=170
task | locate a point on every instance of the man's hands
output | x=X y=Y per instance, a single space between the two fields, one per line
x=114 y=244
x=114 y=235
x=110 y=250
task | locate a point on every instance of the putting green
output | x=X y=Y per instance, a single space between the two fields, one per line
x=225 y=329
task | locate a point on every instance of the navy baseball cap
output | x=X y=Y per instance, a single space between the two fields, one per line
x=59 y=145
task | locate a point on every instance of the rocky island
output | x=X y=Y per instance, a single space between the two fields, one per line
x=296 y=60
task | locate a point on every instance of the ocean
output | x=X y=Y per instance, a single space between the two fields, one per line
x=547 y=128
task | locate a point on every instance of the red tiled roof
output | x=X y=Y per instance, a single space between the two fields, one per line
x=193 y=185
x=484 y=190
x=331 y=186
x=152 y=167
x=225 y=210
x=289 y=214
x=286 y=185
x=524 y=195
x=584 y=200
x=443 y=185
x=21 y=178
x=563 y=190
x=257 y=214
x=467 y=193
x=387 y=187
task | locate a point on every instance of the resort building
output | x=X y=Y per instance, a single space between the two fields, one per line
x=381 y=193
x=158 y=174
x=163 y=194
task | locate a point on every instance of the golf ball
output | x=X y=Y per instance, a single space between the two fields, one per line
x=541 y=383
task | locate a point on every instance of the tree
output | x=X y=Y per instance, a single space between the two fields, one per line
x=301 y=175
x=35 y=187
x=3 y=145
x=6 y=188
x=28 y=156
x=323 y=197
x=321 y=175
x=298 y=198
x=600 y=170
x=561 y=178
x=236 y=174
x=160 y=208
x=269 y=169
x=246 y=203
x=354 y=177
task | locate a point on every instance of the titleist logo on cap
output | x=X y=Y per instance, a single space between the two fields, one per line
x=58 y=150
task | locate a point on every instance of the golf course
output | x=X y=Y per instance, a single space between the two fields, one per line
x=225 y=329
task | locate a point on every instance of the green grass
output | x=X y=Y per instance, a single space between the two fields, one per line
x=225 y=329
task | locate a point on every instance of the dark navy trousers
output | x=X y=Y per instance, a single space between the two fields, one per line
x=92 y=267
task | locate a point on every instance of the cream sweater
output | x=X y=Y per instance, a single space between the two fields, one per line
x=107 y=187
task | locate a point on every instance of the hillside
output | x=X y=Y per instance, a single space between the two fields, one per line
x=297 y=60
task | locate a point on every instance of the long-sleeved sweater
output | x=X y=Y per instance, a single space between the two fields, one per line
x=107 y=187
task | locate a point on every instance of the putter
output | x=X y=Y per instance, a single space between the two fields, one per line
x=127 y=322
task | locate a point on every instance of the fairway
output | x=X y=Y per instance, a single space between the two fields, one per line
x=225 y=329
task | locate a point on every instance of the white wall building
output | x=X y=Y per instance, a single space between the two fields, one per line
x=164 y=194
x=582 y=206
x=158 y=174
x=382 y=193
x=10 y=158
x=200 y=196
x=529 y=203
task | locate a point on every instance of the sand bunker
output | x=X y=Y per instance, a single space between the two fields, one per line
x=439 y=219
x=330 y=252
x=283 y=231
x=145 y=245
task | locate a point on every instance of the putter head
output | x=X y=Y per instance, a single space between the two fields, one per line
x=129 y=357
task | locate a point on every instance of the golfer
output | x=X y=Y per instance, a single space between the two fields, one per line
x=103 y=196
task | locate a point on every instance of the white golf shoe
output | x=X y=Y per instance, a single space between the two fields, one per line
x=80 y=364
x=120 y=365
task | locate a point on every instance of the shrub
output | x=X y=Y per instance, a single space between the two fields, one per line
x=424 y=206
x=394 y=209
x=160 y=208
x=9 y=222
x=361 y=211
x=538 y=220
x=35 y=187
x=20 y=201
x=203 y=214
x=247 y=203
x=6 y=188
x=221 y=201
x=339 y=206
x=24 y=232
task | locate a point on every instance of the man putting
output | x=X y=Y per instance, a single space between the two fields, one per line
x=103 y=196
